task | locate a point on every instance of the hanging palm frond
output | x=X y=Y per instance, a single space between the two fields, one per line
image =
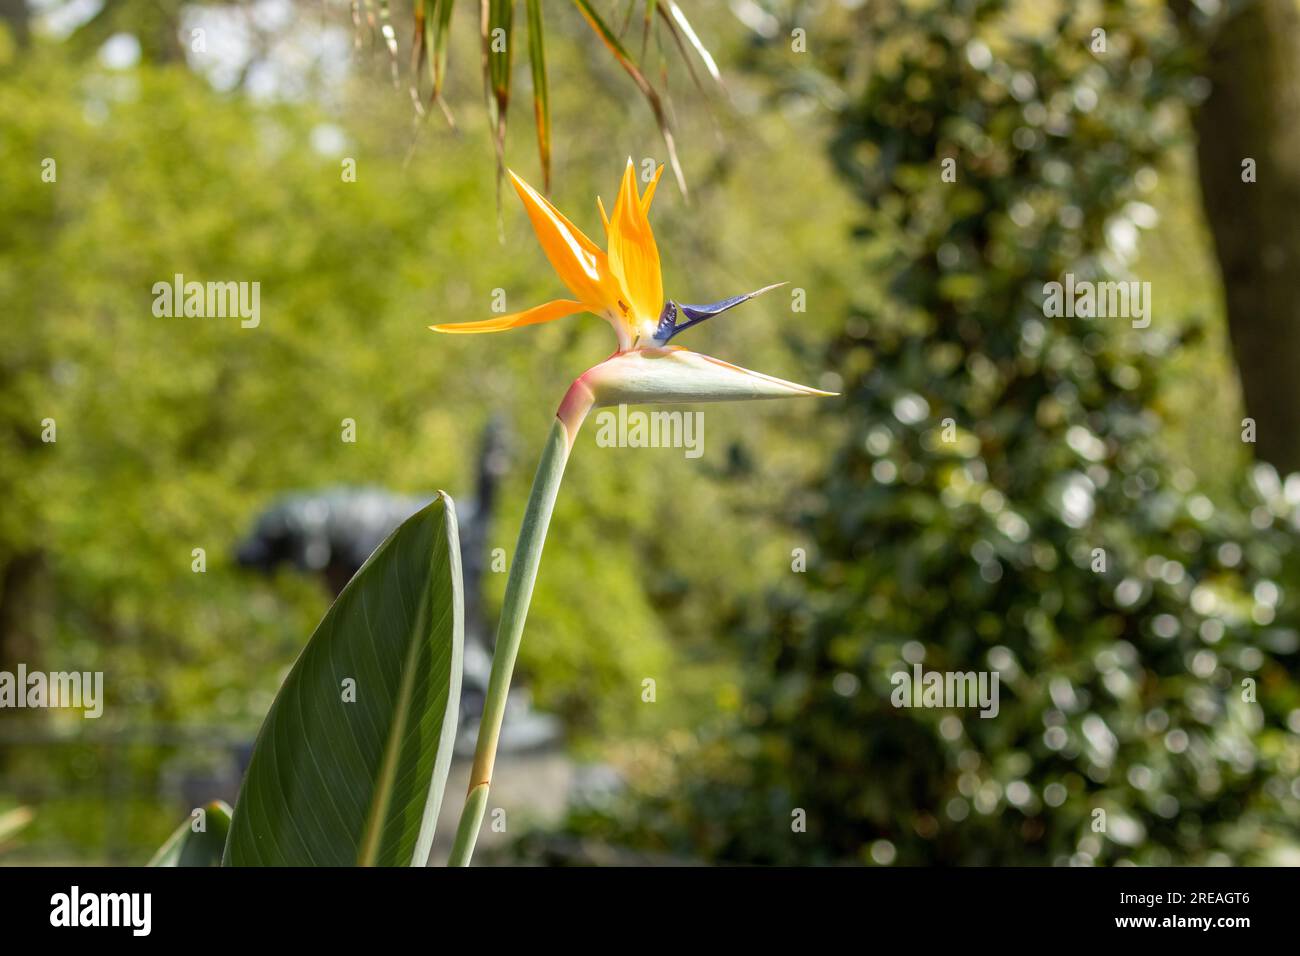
x=432 y=27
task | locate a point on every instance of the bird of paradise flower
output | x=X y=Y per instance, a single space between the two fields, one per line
x=623 y=285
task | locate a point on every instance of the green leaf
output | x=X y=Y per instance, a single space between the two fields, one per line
x=692 y=37
x=645 y=25
x=185 y=847
x=613 y=44
x=335 y=781
x=438 y=29
x=541 y=99
x=429 y=48
x=498 y=44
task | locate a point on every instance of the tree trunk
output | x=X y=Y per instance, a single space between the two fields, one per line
x=1253 y=112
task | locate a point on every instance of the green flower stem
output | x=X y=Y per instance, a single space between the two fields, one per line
x=519 y=592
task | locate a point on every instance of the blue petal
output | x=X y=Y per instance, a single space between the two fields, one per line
x=695 y=314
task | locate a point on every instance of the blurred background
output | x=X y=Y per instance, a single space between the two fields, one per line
x=769 y=588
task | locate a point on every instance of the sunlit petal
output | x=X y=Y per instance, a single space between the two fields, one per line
x=579 y=262
x=633 y=255
x=547 y=312
x=649 y=194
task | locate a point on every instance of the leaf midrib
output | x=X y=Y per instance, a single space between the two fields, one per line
x=370 y=842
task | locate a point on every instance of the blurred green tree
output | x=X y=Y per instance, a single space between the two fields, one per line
x=172 y=433
x=1002 y=501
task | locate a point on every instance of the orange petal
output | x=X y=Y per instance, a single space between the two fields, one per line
x=633 y=255
x=649 y=195
x=547 y=312
x=580 y=263
x=626 y=185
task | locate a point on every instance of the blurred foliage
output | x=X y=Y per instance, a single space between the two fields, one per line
x=172 y=433
x=1161 y=689
x=1121 y=690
